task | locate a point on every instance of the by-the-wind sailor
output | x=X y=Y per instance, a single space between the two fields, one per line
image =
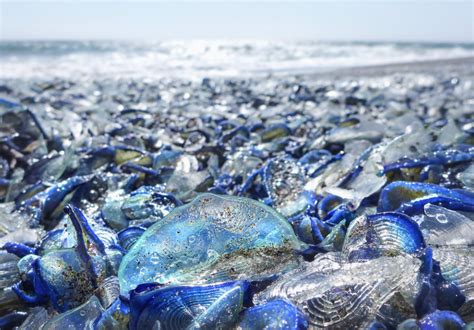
x=310 y=230
x=457 y=154
x=467 y=177
x=284 y=180
x=81 y=317
x=213 y=238
x=344 y=295
x=456 y=268
x=274 y=132
x=129 y=236
x=277 y=314
x=66 y=276
x=12 y=319
x=382 y=234
x=148 y=204
x=440 y=320
x=214 y=306
x=451 y=235
x=444 y=227
x=49 y=203
x=37 y=317
x=410 y=197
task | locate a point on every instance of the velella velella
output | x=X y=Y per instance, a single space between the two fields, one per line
x=145 y=205
x=82 y=317
x=410 y=197
x=215 y=238
x=451 y=236
x=65 y=276
x=237 y=204
x=335 y=294
x=382 y=234
x=441 y=320
x=214 y=306
x=275 y=314
x=284 y=181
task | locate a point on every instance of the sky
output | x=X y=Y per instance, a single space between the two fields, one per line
x=420 y=20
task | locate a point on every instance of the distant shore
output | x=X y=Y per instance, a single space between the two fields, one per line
x=464 y=65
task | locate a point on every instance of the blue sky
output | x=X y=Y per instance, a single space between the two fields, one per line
x=374 y=20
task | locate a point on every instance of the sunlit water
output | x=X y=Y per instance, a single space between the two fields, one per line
x=198 y=59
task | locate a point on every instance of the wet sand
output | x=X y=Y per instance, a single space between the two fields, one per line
x=464 y=66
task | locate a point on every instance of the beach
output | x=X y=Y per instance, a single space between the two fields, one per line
x=312 y=184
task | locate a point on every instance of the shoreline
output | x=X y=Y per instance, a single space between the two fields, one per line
x=465 y=66
x=415 y=66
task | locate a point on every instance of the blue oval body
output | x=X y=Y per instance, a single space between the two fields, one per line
x=440 y=320
x=212 y=239
x=187 y=307
x=382 y=234
x=276 y=314
x=411 y=197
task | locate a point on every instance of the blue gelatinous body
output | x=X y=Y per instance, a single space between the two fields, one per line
x=382 y=234
x=50 y=202
x=440 y=320
x=462 y=153
x=276 y=314
x=187 y=307
x=211 y=239
x=410 y=197
x=284 y=181
x=149 y=203
x=81 y=317
x=68 y=276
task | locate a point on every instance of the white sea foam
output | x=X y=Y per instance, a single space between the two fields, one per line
x=197 y=59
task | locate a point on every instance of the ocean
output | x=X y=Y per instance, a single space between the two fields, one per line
x=196 y=59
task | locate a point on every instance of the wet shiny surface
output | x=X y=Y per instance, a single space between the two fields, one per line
x=335 y=201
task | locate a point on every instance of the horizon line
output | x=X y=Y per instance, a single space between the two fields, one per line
x=242 y=39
